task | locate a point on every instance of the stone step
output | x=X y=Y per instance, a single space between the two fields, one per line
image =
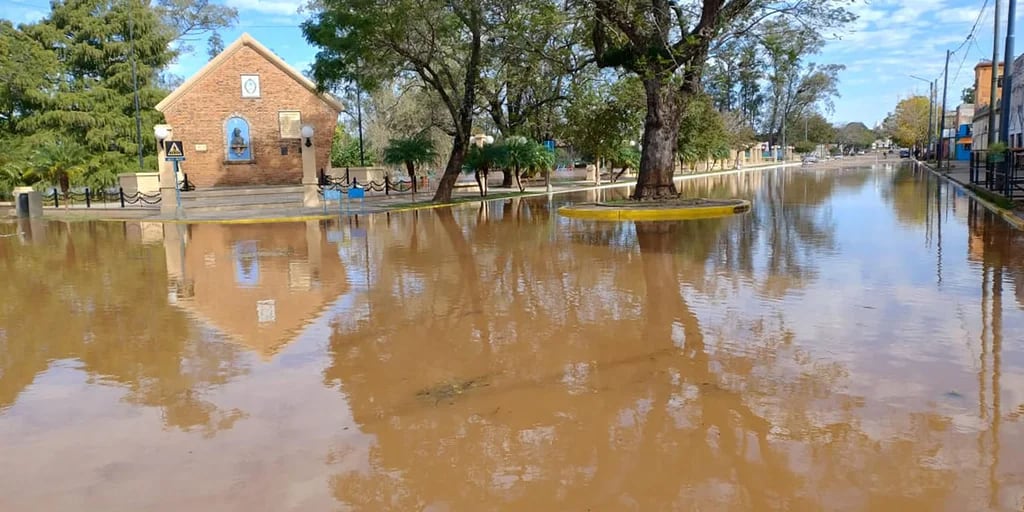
x=217 y=192
x=269 y=200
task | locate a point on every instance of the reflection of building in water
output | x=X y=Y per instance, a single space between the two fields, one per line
x=258 y=284
x=995 y=244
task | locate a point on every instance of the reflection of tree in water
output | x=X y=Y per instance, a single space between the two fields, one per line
x=785 y=232
x=560 y=394
x=908 y=192
x=91 y=295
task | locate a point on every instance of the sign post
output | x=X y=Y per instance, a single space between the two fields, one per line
x=175 y=154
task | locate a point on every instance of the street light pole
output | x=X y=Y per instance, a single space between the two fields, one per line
x=942 y=112
x=931 y=108
x=1004 y=123
x=992 y=134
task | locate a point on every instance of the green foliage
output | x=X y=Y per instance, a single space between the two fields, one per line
x=803 y=147
x=967 y=95
x=410 y=151
x=702 y=133
x=516 y=153
x=908 y=124
x=94 y=102
x=856 y=135
x=60 y=162
x=28 y=73
x=626 y=157
x=15 y=166
x=370 y=42
x=344 y=149
x=603 y=117
x=816 y=128
x=483 y=159
x=532 y=58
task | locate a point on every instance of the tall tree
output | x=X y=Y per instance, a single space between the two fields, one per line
x=93 y=102
x=667 y=45
x=908 y=124
x=214 y=45
x=602 y=117
x=440 y=41
x=856 y=135
x=530 y=58
x=28 y=73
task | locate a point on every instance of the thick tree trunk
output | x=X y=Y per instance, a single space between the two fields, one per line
x=507 y=178
x=661 y=131
x=464 y=118
x=452 y=170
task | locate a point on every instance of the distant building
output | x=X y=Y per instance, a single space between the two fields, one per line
x=964 y=131
x=240 y=119
x=982 y=110
x=983 y=83
x=1016 y=114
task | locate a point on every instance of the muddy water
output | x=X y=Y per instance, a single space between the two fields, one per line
x=856 y=342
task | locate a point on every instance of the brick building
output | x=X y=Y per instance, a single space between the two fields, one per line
x=240 y=119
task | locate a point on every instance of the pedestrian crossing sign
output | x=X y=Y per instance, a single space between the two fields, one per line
x=174 y=151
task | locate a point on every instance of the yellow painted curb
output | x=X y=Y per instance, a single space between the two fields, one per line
x=612 y=213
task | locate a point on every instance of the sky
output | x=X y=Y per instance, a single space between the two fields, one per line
x=890 y=40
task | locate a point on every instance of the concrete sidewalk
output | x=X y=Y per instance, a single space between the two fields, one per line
x=375 y=203
x=959 y=172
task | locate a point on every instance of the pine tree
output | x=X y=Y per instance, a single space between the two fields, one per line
x=93 y=101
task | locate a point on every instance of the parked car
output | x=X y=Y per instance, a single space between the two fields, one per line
x=904 y=153
x=810 y=159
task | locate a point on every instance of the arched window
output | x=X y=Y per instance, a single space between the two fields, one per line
x=236 y=136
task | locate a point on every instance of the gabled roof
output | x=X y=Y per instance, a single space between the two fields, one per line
x=246 y=40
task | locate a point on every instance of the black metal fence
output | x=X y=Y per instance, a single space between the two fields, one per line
x=107 y=197
x=104 y=197
x=343 y=184
x=1002 y=173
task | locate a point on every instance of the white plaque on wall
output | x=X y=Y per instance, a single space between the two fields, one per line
x=250 y=86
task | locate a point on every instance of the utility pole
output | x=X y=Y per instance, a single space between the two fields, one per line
x=992 y=133
x=359 y=115
x=931 y=110
x=135 y=86
x=931 y=114
x=942 y=113
x=1004 y=125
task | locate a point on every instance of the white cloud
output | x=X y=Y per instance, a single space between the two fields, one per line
x=266 y=6
x=958 y=15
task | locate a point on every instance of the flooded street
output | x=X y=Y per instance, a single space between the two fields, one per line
x=855 y=342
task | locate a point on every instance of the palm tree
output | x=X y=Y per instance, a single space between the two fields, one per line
x=517 y=153
x=480 y=160
x=543 y=160
x=59 y=161
x=15 y=167
x=410 y=151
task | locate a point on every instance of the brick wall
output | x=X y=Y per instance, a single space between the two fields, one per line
x=199 y=116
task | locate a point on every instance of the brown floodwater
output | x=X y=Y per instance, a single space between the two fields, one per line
x=855 y=342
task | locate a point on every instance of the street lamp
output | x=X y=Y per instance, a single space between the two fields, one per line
x=481 y=139
x=931 y=108
x=307 y=133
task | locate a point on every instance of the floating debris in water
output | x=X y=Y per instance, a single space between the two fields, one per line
x=450 y=389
